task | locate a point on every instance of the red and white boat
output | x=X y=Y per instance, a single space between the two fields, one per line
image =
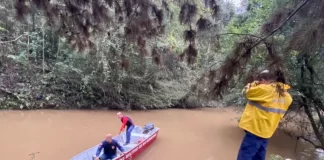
x=141 y=138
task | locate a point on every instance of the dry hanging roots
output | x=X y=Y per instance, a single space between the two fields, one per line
x=82 y=19
x=190 y=35
x=203 y=24
x=187 y=13
x=191 y=53
x=156 y=56
x=214 y=6
x=275 y=21
x=233 y=65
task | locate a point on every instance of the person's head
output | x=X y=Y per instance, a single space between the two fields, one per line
x=119 y=115
x=108 y=137
x=266 y=77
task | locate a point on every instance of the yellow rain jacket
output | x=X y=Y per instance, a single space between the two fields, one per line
x=265 y=108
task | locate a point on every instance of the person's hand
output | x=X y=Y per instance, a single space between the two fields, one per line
x=121 y=153
x=97 y=158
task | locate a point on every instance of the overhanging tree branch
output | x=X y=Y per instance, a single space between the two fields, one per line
x=237 y=34
x=262 y=39
x=302 y=4
x=1 y=42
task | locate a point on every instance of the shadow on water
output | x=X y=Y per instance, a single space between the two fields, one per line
x=204 y=134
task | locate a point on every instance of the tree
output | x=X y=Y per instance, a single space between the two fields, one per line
x=304 y=36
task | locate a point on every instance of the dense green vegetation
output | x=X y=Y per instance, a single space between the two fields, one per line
x=115 y=71
x=160 y=54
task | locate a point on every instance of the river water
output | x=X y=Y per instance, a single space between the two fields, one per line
x=206 y=134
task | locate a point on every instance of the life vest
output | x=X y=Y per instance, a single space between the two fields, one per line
x=129 y=121
x=264 y=109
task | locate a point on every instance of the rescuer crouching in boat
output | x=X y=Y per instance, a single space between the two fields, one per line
x=268 y=100
x=126 y=121
x=110 y=148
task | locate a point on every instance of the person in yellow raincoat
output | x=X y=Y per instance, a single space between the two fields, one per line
x=268 y=100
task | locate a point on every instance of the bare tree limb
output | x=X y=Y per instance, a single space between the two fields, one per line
x=303 y=138
x=309 y=141
x=1 y=42
x=237 y=34
x=313 y=123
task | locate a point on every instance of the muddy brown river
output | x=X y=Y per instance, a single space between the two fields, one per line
x=206 y=134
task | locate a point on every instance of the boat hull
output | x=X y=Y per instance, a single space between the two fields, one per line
x=139 y=148
x=139 y=142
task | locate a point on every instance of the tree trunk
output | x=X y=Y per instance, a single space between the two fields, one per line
x=43 y=52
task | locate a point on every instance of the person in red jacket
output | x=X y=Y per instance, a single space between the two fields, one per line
x=126 y=122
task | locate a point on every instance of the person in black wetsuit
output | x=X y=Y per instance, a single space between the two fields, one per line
x=110 y=148
x=126 y=121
